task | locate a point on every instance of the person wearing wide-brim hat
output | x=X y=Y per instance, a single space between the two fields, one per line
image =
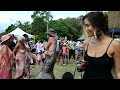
x=51 y=32
x=6 y=57
x=50 y=56
x=5 y=38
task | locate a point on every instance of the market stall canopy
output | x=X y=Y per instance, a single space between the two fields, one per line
x=19 y=32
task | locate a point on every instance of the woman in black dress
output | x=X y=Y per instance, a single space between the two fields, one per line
x=100 y=50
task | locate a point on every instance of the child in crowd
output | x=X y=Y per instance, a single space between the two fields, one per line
x=39 y=58
x=64 y=53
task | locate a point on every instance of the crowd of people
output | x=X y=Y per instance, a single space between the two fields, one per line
x=25 y=51
x=67 y=50
x=99 y=50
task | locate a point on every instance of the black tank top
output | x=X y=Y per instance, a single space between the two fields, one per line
x=99 y=67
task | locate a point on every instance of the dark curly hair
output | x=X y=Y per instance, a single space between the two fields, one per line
x=26 y=36
x=98 y=20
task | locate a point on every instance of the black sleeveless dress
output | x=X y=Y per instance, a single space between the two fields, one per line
x=99 y=67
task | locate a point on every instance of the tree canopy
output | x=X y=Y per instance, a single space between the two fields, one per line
x=43 y=20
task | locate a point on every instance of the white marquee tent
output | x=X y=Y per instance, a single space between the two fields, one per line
x=19 y=32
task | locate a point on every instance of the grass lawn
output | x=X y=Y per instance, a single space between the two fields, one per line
x=59 y=70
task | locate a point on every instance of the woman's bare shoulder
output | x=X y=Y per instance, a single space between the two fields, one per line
x=86 y=42
x=4 y=47
x=116 y=44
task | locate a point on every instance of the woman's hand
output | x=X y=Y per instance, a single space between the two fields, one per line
x=9 y=67
x=46 y=52
x=78 y=63
x=44 y=56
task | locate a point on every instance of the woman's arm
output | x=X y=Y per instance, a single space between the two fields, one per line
x=16 y=48
x=5 y=54
x=27 y=49
x=116 y=57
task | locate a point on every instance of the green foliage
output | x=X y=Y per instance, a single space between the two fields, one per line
x=70 y=27
x=41 y=36
x=10 y=28
x=42 y=21
x=1 y=34
x=36 y=38
x=35 y=14
x=38 y=26
x=26 y=26
x=46 y=15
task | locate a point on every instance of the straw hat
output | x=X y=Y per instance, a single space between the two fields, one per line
x=51 y=32
x=5 y=38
